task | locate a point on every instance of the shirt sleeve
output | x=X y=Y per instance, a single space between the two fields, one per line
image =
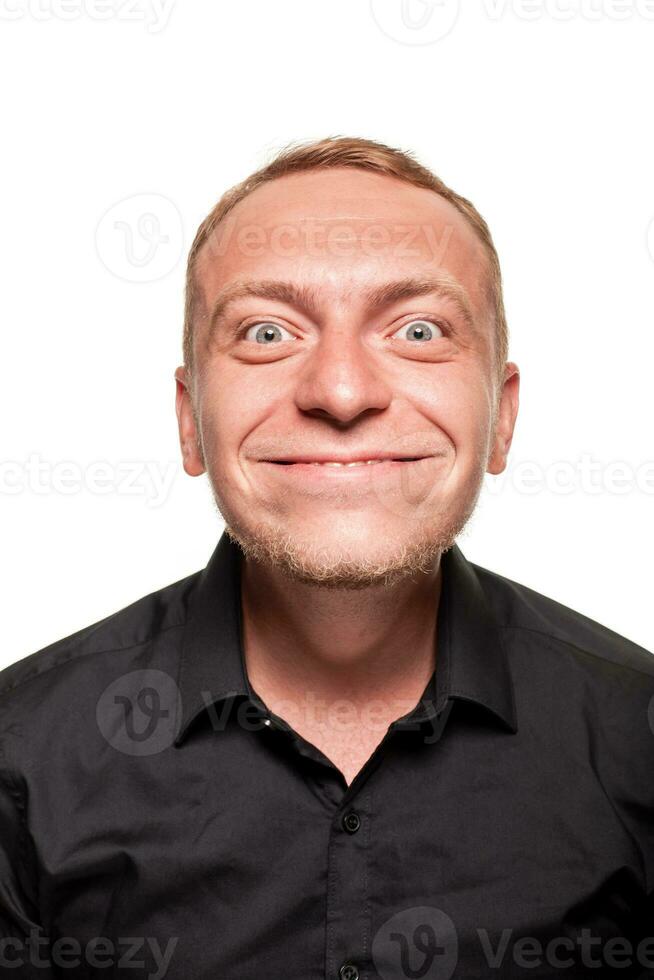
x=19 y=916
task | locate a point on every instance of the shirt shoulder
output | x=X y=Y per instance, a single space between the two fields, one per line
x=138 y=624
x=522 y=611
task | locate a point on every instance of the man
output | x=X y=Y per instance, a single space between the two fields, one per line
x=341 y=750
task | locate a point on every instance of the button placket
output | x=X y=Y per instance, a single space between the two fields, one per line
x=348 y=934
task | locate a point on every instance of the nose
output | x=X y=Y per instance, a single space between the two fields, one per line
x=341 y=380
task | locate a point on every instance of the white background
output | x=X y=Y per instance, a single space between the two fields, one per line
x=541 y=113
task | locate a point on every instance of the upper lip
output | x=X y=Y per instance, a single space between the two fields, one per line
x=340 y=458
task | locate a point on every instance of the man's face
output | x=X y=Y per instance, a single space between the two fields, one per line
x=362 y=331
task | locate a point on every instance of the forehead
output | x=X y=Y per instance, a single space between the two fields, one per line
x=342 y=230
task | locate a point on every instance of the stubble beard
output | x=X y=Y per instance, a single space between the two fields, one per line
x=271 y=544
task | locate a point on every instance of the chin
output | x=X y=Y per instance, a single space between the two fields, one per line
x=343 y=558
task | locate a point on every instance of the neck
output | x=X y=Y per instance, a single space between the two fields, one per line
x=302 y=641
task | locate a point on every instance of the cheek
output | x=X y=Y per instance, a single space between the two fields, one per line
x=220 y=423
x=458 y=404
x=231 y=411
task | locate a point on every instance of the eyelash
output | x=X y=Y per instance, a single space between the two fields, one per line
x=441 y=324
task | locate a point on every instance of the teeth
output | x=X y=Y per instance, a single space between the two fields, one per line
x=358 y=462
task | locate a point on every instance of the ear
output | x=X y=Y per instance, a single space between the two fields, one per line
x=192 y=459
x=507 y=412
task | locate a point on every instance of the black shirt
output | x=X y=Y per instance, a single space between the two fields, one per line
x=157 y=820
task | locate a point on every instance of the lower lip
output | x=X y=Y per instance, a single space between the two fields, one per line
x=365 y=471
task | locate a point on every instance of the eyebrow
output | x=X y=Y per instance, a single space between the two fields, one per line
x=307 y=298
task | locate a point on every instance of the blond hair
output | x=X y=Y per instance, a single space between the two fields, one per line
x=364 y=154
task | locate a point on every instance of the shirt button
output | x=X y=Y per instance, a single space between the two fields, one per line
x=351 y=822
x=348 y=972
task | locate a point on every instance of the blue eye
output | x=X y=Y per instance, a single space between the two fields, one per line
x=421 y=330
x=267 y=333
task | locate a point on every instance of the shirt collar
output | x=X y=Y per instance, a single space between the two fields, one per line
x=471 y=662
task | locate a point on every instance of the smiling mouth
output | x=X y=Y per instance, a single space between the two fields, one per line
x=336 y=463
